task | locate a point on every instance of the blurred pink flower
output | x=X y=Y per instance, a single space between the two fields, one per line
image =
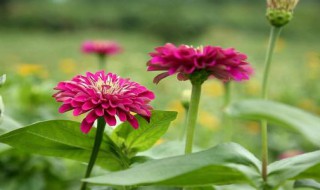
x=104 y=95
x=290 y=153
x=101 y=47
x=224 y=64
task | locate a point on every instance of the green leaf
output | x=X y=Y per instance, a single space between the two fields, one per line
x=143 y=138
x=224 y=164
x=307 y=183
x=305 y=166
x=166 y=149
x=305 y=123
x=62 y=138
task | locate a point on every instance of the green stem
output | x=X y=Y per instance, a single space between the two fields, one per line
x=274 y=34
x=226 y=120
x=95 y=150
x=192 y=116
x=102 y=62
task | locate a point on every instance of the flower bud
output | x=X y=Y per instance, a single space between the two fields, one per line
x=2 y=80
x=1 y=107
x=185 y=98
x=280 y=12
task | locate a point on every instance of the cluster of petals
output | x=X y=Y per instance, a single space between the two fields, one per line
x=224 y=64
x=101 y=47
x=104 y=95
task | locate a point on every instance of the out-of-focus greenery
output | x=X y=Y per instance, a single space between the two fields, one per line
x=40 y=45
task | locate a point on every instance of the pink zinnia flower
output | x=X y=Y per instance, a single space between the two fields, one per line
x=290 y=153
x=224 y=64
x=101 y=47
x=104 y=95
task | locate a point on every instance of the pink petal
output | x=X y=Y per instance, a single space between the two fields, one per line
x=88 y=105
x=111 y=120
x=99 y=111
x=78 y=111
x=91 y=117
x=133 y=121
x=159 y=77
x=122 y=115
x=65 y=108
x=85 y=126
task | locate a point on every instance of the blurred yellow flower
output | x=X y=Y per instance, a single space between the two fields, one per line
x=252 y=127
x=313 y=64
x=26 y=69
x=308 y=104
x=160 y=141
x=67 y=66
x=208 y=120
x=213 y=88
x=253 y=87
x=177 y=106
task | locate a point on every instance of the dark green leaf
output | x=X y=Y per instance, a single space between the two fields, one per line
x=305 y=123
x=224 y=164
x=143 y=138
x=307 y=183
x=62 y=138
x=305 y=166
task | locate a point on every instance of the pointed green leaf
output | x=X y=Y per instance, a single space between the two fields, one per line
x=307 y=183
x=224 y=164
x=305 y=123
x=62 y=138
x=305 y=166
x=143 y=138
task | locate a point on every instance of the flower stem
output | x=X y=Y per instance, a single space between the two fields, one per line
x=192 y=116
x=226 y=120
x=95 y=150
x=102 y=62
x=274 y=34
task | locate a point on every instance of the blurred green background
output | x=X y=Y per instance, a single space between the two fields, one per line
x=40 y=44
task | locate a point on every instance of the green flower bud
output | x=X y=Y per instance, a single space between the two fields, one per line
x=1 y=107
x=2 y=80
x=185 y=98
x=280 y=12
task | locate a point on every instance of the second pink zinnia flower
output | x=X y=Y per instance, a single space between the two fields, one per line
x=101 y=47
x=104 y=95
x=224 y=64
